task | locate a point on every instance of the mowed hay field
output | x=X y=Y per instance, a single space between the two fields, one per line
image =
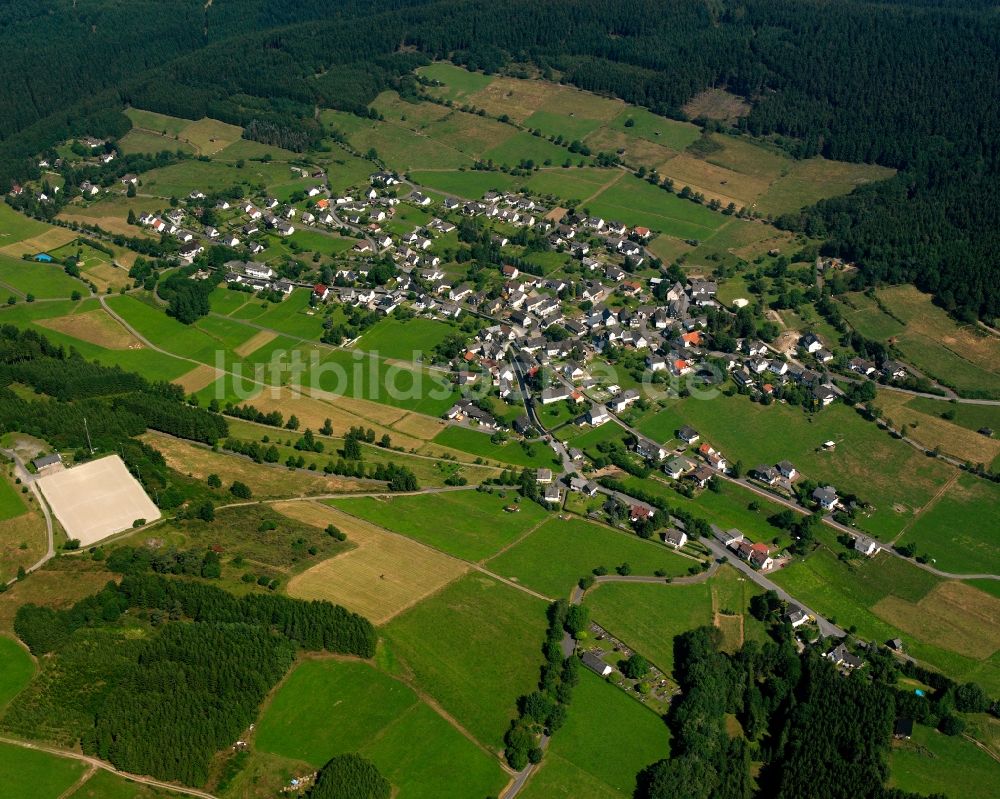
x=382 y=576
x=475 y=647
x=97 y=327
x=932 y=431
x=887 y=597
x=959 y=531
x=329 y=707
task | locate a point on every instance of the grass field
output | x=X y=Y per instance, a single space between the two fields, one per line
x=648 y=616
x=44 y=281
x=160 y=123
x=266 y=482
x=391 y=338
x=16 y=669
x=559 y=779
x=468 y=524
x=475 y=647
x=931 y=762
x=609 y=737
x=105 y=785
x=811 y=180
x=11 y=504
x=892 y=476
x=333 y=707
x=15 y=227
x=458 y=83
x=382 y=575
x=146 y=141
x=557 y=554
x=886 y=597
x=25 y=772
x=961 y=356
x=469 y=184
x=523 y=146
x=647 y=125
x=636 y=202
x=478 y=443
x=960 y=531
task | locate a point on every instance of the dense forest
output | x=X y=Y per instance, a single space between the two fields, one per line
x=911 y=85
x=814 y=730
x=118 y=659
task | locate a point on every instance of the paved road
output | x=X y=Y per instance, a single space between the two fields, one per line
x=95 y=763
x=28 y=479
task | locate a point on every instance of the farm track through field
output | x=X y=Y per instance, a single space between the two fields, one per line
x=95 y=763
x=79 y=783
x=926 y=507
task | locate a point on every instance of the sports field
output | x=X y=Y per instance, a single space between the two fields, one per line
x=96 y=499
x=380 y=577
x=552 y=558
x=475 y=647
x=331 y=707
x=468 y=524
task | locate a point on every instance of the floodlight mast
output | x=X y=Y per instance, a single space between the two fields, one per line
x=86 y=429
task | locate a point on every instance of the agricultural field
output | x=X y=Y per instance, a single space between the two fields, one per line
x=608 y=739
x=469 y=184
x=931 y=762
x=947 y=624
x=16 y=669
x=266 y=481
x=927 y=422
x=809 y=181
x=43 y=281
x=895 y=478
x=636 y=202
x=146 y=141
x=475 y=647
x=958 y=532
x=329 y=707
x=29 y=772
x=383 y=573
x=391 y=338
x=962 y=357
x=467 y=524
x=553 y=557
x=536 y=456
x=646 y=617
x=158 y=123
x=105 y=785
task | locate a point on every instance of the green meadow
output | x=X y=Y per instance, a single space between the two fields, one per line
x=391 y=338
x=467 y=524
x=27 y=772
x=44 y=281
x=537 y=456
x=16 y=669
x=636 y=202
x=552 y=558
x=931 y=762
x=458 y=82
x=475 y=647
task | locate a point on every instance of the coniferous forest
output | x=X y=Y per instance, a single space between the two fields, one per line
x=179 y=668
x=909 y=84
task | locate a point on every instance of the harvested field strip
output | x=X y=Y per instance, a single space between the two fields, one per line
x=198 y=378
x=96 y=327
x=384 y=575
x=255 y=342
x=43 y=242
